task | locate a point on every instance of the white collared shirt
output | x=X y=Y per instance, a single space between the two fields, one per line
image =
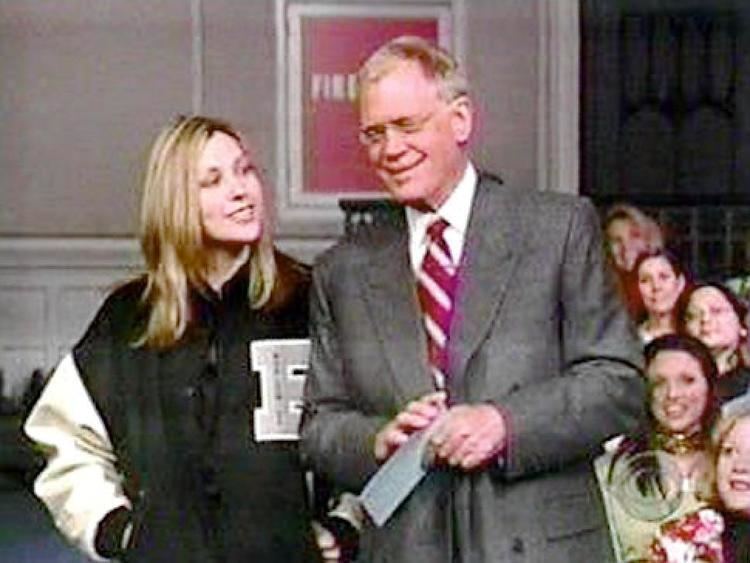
x=455 y=211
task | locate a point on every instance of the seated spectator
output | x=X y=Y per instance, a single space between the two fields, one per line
x=732 y=445
x=661 y=281
x=714 y=315
x=663 y=471
x=628 y=232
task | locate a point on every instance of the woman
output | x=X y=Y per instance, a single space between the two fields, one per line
x=712 y=314
x=150 y=426
x=732 y=445
x=628 y=233
x=663 y=471
x=661 y=280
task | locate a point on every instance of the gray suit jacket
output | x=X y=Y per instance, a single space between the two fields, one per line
x=538 y=330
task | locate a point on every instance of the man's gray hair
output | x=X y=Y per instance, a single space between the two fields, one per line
x=436 y=63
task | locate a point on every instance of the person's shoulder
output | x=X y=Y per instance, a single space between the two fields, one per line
x=531 y=196
x=294 y=273
x=121 y=308
x=564 y=202
x=124 y=297
x=292 y=268
x=365 y=238
x=291 y=287
x=117 y=319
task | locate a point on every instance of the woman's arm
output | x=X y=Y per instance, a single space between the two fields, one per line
x=80 y=484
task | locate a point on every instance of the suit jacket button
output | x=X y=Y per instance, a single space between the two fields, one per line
x=517 y=546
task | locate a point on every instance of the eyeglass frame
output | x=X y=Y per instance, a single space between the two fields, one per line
x=406 y=127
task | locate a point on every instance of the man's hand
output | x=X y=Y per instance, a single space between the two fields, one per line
x=469 y=436
x=417 y=415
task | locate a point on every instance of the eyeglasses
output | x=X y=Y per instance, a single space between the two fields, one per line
x=405 y=127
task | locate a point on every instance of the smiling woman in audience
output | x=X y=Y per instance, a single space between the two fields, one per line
x=628 y=233
x=148 y=425
x=715 y=316
x=732 y=444
x=661 y=280
x=663 y=472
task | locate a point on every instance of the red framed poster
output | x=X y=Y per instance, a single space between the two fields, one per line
x=324 y=45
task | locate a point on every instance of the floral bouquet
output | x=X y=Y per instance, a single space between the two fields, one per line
x=696 y=537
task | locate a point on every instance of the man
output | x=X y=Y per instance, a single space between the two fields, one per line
x=527 y=366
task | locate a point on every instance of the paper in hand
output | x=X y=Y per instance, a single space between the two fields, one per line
x=396 y=478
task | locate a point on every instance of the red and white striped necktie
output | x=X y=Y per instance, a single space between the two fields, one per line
x=436 y=282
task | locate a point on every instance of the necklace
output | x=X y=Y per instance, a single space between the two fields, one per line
x=679 y=443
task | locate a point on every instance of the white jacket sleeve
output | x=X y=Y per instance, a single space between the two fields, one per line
x=79 y=484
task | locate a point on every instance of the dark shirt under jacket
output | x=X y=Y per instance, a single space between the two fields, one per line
x=180 y=421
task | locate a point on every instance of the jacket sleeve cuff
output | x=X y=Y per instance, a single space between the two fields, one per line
x=113 y=533
x=504 y=455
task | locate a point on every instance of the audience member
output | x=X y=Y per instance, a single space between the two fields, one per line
x=732 y=446
x=714 y=315
x=628 y=233
x=149 y=424
x=661 y=280
x=663 y=471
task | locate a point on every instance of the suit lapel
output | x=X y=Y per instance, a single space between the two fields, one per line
x=492 y=247
x=389 y=290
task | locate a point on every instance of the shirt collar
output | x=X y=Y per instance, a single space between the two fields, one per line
x=455 y=210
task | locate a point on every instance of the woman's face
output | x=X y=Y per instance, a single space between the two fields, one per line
x=659 y=284
x=626 y=241
x=231 y=195
x=710 y=318
x=733 y=468
x=679 y=391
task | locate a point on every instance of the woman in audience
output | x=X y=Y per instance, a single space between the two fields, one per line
x=714 y=315
x=732 y=445
x=150 y=425
x=663 y=471
x=628 y=232
x=661 y=280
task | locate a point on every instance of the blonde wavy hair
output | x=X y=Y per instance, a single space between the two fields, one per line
x=732 y=412
x=171 y=232
x=652 y=231
x=436 y=63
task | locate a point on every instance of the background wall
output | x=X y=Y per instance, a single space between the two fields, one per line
x=85 y=85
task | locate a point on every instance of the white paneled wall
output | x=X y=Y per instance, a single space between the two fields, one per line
x=51 y=288
x=49 y=291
